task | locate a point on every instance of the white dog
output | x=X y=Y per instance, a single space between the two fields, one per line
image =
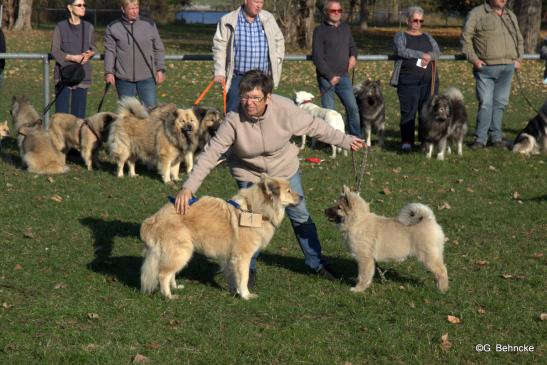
x=304 y=100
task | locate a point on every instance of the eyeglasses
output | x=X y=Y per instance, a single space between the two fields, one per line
x=254 y=99
x=335 y=11
x=421 y=21
x=79 y=5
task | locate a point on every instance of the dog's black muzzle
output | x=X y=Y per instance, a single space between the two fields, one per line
x=332 y=215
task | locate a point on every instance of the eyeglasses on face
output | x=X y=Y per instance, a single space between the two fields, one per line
x=335 y=11
x=421 y=21
x=254 y=99
x=79 y=5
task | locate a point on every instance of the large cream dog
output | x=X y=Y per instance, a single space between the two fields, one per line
x=370 y=237
x=304 y=100
x=35 y=143
x=162 y=138
x=212 y=227
x=86 y=135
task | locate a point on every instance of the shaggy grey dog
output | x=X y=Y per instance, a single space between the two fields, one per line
x=372 y=111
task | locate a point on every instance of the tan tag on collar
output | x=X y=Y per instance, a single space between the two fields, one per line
x=248 y=219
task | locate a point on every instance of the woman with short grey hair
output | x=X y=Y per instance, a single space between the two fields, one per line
x=416 y=52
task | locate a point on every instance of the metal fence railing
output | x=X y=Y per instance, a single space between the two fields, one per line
x=45 y=58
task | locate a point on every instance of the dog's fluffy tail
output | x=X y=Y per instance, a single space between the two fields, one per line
x=132 y=107
x=152 y=254
x=454 y=94
x=414 y=213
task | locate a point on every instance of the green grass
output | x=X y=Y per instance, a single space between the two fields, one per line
x=69 y=270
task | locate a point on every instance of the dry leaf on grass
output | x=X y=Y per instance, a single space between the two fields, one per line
x=56 y=198
x=481 y=263
x=459 y=181
x=492 y=168
x=93 y=316
x=516 y=195
x=153 y=345
x=397 y=170
x=28 y=233
x=60 y=286
x=454 y=319
x=444 y=206
x=50 y=179
x=6 y=305
x=445 y=344
x=543 y=316
x=386 y=191
x=481 y=310
x=18 y=267
x=537 y=255
x=8 y=185
x=138 y=358
x=469 y=190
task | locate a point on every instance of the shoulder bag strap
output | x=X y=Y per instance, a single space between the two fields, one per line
x=141 y=51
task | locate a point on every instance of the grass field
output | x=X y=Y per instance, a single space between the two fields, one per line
x=71 y=255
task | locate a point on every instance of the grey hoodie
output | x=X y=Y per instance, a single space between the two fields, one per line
x=122 y=56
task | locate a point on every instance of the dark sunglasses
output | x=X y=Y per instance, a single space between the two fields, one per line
x=79 y=5
x=421 y=21
x=335 y=11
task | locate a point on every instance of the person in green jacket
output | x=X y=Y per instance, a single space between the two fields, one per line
x=493 y=44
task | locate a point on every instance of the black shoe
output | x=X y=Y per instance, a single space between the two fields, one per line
x=499 y=144
x=476 y=146
x=252 y=279
x=325 y=272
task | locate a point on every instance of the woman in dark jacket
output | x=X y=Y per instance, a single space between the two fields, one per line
x=412 y=75
x=73 y=41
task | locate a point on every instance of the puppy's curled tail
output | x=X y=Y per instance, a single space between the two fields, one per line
x=414 y=213
x=152 y=253
x=454 y=94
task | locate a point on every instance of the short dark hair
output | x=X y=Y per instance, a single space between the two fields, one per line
x=256 y=79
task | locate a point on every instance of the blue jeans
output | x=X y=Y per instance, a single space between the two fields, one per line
x=302 y=224
x=232 y=96
x=493 y=86
x=71 y=101
x=145 y=90
x=344 y=90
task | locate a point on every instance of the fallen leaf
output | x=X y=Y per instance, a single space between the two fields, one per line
x=470 y=190
x=57 y=198
x=481 y=263
x=537 y=255
x=60 y=286
x=28 y=233
x=93 y=316
x=386 y=191
x=6 y=305
x=90 y=347
x=8 y=185
x=459 y=181
x=444 y=206
x=174 y=323
x=50 y=179
x=445 y=344
x=492 y=168
x=451 y=190
x=153 y=345
x=453 y=319
x=138 y=358
x=18 y=267
x=516 y=195
x=543 y=316
x=481 y=310
x=507 y=276
x=412 y=305
x=397 y=170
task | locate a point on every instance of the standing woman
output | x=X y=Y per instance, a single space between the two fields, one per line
x=412 y=74
x=73 y=41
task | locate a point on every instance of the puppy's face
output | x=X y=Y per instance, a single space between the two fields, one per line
x=440 y=107
x=4 y=129
x=300 y=97
x=279 y=189
x=344 y=206
x=209 y=118
x=186 y=122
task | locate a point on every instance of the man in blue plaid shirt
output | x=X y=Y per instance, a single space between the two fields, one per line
x=246 y=39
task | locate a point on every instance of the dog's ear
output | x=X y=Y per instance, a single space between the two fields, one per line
x=269 y=186
x=200 y=112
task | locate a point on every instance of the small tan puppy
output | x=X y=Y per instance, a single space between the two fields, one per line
x=38 y=152
x=370 y=237
x=216 y=229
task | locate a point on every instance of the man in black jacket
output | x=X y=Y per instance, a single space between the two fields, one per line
x=334 y=54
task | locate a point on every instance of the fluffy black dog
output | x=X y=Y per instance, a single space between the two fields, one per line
x=533 y=138
x=443 y=120
x=372 y=111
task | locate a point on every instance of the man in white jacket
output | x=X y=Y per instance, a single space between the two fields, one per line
x=246 y=39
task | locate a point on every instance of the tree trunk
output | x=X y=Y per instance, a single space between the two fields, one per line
x=24 y=16
x=528 y=13
x=297 y=21
x=363 y=15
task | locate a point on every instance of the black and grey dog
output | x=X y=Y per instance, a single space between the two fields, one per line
x=372 y=111
x=533 y=138
x=444 y=120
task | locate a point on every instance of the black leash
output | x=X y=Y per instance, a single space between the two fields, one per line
x=359 y=174
x=521 y=91
x=106 y=88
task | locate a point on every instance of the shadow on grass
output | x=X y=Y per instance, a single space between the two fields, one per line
x=126 y=269
x=345 y=269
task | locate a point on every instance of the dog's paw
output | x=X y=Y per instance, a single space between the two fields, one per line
x=356 y=289
x=249 y=296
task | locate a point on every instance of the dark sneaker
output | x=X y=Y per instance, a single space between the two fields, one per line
x=326 y=273
x=406 y=147
x=252 y=279
x=476 y=146
x=498 y=144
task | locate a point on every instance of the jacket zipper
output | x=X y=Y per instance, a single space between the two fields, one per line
x=263 y=146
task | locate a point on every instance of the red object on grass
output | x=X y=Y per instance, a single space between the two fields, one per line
x=313 y=159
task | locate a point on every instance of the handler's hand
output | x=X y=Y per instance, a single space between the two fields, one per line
x=352 y=62
x=219 y=78
x=478 y=64
x=357 y=144
x=517 y=65
x=109 y=79
x=160 y=77
x=335 y=80
x=181 y=203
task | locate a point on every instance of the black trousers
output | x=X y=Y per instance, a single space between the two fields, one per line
x=413 y=92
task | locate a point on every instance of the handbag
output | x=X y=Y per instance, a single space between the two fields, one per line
x=73 y=73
